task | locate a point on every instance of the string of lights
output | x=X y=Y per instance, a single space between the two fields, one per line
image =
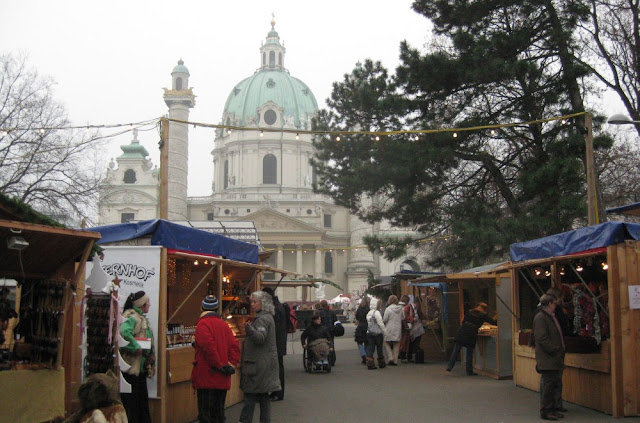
x=334 y=134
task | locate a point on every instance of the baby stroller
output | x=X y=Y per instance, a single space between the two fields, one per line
x=316 y=351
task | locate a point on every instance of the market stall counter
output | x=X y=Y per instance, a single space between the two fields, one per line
x=597 y=270
x=177 y=267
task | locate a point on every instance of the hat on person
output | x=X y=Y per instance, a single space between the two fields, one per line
x=210 y=303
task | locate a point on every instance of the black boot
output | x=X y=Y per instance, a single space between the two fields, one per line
x=364 y=359
x=381 y=363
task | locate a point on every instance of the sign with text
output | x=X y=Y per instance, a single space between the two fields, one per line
x=634 y=297
x=138 y=269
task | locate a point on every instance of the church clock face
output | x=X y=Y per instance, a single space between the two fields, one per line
x=270 y=117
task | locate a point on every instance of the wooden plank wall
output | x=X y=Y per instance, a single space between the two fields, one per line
x=624 y=268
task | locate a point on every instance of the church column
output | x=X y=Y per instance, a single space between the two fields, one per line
x=299 y=293
x=280 y=257
x=318 y=265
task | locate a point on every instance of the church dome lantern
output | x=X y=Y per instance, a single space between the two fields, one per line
x=271 y=97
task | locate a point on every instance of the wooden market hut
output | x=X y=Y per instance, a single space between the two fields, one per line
x=463 y=290
x=48 y=261
x=193 y=263
x=598 y=270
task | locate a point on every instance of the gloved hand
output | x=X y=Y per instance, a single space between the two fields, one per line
x=227 y=370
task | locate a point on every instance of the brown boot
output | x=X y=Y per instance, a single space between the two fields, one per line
x=371 y=365
x=381 y=363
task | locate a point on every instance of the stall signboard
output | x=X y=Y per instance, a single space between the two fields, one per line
x=138 y=269
x=634 y=297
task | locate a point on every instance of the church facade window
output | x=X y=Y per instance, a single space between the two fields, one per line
x=129 y=176
x=178 y=84
x=327 y=220
x=269 y=169
x=127 y=217
x=270 y=117
x=209 y=216
x=226 y=174
x=328 y=262
x=272 y=58
x=280 y=59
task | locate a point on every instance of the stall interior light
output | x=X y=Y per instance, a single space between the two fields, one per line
x=547 y=273
x=562 y=270
x=605 y=266
x=538 y=271
x=196 y=262
x=229 y=317
x=579 y=268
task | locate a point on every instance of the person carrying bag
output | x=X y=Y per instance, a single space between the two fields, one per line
x=375 y=331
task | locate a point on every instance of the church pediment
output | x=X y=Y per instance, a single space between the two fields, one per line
x=270 y=220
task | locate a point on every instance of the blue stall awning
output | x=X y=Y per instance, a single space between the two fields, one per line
x=179 y=237
x=576 y=241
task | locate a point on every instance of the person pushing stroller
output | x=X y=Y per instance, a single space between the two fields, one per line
x=317 y=341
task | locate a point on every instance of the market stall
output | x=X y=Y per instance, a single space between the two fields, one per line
x=39 y=363
x=182 y=265
x=459 y=292
x=597 y=269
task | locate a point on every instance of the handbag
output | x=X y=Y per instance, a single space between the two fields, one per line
x=373 y=327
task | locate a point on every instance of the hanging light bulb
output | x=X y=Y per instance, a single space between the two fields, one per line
x=262 y=133
x=196 y=262
x=416 y=138
x=605 y=266
x=547 y=273
x=297 y=136
x=377 y=138
x=493 y=132
x=538 y=271
x=338 y=138
x=562 y=270
x=455 y=135
x=579 y=268
x=228 y=130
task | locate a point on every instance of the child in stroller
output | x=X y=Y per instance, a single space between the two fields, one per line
x=316 y=342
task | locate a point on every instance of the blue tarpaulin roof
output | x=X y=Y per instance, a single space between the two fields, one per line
x=575 y=241
x=179 y=237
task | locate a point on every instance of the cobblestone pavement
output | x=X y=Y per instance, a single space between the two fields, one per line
x=407 y=393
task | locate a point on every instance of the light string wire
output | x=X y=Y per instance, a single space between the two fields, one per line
x=156 y=121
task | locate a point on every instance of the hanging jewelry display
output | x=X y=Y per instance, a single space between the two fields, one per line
x=99 y=334
x=38 y=334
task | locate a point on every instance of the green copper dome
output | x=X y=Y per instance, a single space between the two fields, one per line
x=271 y=87
x=180 y=68
x=134 y=150
x=289 y=93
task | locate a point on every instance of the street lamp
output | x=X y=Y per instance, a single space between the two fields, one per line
x=620 y=119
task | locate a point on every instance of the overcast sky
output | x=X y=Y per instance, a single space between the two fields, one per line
x=111 y=59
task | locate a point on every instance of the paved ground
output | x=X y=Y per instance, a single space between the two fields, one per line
x=407 y=393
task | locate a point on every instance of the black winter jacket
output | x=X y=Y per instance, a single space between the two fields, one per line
x=468 y=330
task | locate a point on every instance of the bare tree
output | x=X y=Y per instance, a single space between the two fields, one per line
x=611 y=41
x=43 y=161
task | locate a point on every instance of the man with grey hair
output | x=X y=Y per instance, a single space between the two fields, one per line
x=550 y=351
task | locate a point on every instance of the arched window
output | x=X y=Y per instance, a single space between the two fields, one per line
x=264 y=59
x=272 y=58
x=280 y=59
x=226 y=174
x=269 y=169
x=178 y=84
x=328 y=262
x=129 y=176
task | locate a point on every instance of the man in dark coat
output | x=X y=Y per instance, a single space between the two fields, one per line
x=466 y=336
x=550 y=351
x=281 y=340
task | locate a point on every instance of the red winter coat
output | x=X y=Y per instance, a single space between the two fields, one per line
x=216 y=346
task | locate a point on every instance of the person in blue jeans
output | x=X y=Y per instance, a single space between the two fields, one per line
x=466 y=336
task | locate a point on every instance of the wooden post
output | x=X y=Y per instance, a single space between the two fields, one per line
x=163 y=207
x=592 y=192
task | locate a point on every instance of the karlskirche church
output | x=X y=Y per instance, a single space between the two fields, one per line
x=262 y=182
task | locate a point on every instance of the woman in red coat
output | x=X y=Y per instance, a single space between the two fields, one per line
x=217 y=354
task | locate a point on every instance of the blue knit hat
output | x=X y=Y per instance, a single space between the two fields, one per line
x=210 y=303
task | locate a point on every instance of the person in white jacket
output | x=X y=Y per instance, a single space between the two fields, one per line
x=375 y=334
x=393 y=322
